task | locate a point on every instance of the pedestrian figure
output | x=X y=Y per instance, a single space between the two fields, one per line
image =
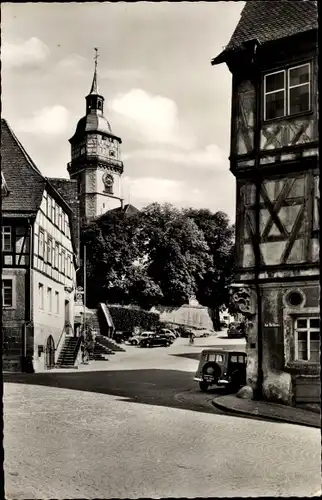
x=192 y=338
x=83 y=352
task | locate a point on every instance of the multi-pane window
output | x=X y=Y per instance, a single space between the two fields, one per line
x=287 y=92
x=56 y=255
x=49 y=299
x=7 y=293
x=6 y=239
x=41 y=241
x=60 y=224
x=57 y=302
x=307 y=339
x=53 y=212
x=63 y=261
x=49 y=249
x=41 y=295
x=49 y=207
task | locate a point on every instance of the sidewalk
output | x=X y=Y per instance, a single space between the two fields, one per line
x=269 y=411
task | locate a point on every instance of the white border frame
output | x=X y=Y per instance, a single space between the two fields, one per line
x=289 y=87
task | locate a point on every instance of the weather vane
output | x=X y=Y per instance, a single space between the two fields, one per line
x=96 y=56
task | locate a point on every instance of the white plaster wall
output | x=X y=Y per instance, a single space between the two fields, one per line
x=50 y=322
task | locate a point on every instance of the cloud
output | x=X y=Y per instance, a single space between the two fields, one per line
x=153 y=117
x=152 y=189
x=121 y=74
x=30 y=53
x=208 y=158
x=49 y=120
x=73 y=63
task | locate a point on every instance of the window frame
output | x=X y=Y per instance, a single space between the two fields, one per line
x=49 y=250
x=4 y=234
x=308 y=329
x=273 y=92
x=41 y=296
x=309 y=83
x=50 y=299
x=12 y=279
x=41 y=232
x=286 y=70
x=56 y=302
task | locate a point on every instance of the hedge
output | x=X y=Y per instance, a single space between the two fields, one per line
x=127 y=318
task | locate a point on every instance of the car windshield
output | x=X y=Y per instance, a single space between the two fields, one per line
x=217 y=358
x=237 y=358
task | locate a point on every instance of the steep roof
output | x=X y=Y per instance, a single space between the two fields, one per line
x=267 y=21
x=24 y=181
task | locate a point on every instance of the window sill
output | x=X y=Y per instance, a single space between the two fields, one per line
x=287 y=117
x=303 y=367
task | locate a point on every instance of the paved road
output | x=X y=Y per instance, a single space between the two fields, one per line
x=138 y=427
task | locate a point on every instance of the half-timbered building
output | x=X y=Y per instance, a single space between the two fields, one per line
x=272 y=56
x=38 y=262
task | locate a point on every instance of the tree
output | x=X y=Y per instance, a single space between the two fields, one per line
x=177 y=253
x=213 y=287
x=161 y=255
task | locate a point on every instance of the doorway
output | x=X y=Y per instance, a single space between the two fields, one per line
x=50 y=353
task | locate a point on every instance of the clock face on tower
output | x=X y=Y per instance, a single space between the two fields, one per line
x=108 y=182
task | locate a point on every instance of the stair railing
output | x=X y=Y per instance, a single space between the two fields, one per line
x=76 y=349
x=67 y=328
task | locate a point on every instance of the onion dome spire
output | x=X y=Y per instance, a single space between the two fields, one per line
x=94 y=87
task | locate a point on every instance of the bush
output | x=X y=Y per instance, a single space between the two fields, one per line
x=125 y=319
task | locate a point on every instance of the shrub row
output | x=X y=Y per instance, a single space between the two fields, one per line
x=127 y=318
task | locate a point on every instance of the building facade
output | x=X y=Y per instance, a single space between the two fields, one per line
x=96 y=160
x=38 y=262
x=272 y=56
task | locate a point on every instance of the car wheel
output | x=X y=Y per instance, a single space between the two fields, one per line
x=168 y=344
x=134 y=342
x=203 y=386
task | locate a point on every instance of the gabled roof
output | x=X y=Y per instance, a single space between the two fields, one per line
x=24 y=181
x=267 y=21
x=127 y=209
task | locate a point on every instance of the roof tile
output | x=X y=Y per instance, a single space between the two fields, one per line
x=271 y=20
x=24 y=181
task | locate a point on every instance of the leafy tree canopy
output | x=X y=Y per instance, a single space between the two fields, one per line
x=160 y=255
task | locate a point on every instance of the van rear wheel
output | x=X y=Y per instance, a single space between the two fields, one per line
x=203 y=386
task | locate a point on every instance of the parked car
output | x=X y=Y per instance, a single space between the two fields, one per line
x=236 y=330
x=184 y=331
x=222 y=368
x=202 y=332
x=154 y=341
x=135 y=340
x=167 y=333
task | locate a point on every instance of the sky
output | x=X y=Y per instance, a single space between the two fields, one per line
x=162 y=96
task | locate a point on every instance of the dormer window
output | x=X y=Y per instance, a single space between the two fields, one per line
x=287 y=92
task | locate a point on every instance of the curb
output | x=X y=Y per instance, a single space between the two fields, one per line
x=258 y=415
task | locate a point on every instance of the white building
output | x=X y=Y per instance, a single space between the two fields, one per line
x=38 y=262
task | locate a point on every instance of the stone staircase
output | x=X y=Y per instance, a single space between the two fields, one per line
x=98 y=322
x=69 y=352
x=109 y=343
x=100 y=352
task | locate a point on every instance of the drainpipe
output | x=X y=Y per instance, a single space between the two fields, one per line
x=258 y=184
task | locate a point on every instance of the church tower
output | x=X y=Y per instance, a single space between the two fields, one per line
x=95 y=159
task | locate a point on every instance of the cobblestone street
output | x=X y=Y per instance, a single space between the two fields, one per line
x=137 y=430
